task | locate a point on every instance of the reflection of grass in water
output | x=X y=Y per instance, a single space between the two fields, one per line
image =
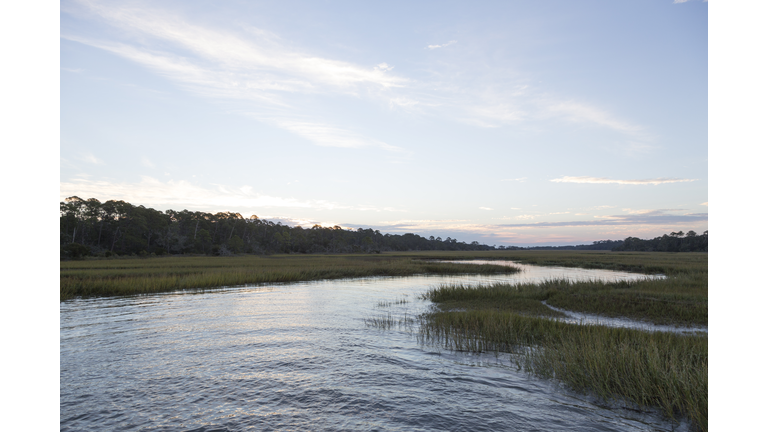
x=664 y=370
x=138 y=276
x=388 y=321
x=385 y=303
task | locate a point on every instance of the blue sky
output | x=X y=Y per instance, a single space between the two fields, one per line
x=514 y=123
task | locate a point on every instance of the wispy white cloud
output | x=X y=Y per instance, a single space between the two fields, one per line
x=146 y=162
x=441 y=46
x=90 y=158
x=425 y=225
x=648 y=224
x=585 y=114
x=650 y=217
x=78 y=70
x=521 y=179
x=262 y=60
x=603 y=180
x=403 y=102
x=510 y=104
x=493 y=115
x=302 y=222
x=485 y=208
x=645 y=211
x=204 y=81
x=178 y=194
x=254 y=65
x=705 y=204
x=330 y=136
x=257 y=67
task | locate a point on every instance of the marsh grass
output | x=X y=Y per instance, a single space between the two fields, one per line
x=521 y=298
x=646 y=369
x=676 y=300
x=142 y=276
x=639 y=262
x=656 y=369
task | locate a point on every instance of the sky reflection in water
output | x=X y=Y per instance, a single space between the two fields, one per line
x=299 y=356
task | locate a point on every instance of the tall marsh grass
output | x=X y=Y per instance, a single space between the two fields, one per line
x=388 y=321
x=660 y=301
x=650 y=369
x=657 y=369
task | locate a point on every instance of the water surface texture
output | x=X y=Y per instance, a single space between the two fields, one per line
x=299 y=357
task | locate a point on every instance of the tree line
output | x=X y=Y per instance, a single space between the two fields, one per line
x=672 y=242
x=597 y=245
x=89 y=227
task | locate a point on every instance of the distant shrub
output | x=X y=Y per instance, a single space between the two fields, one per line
x=75 y=251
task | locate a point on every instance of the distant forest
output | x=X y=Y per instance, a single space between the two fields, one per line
x=674 y=242
x=92 y=228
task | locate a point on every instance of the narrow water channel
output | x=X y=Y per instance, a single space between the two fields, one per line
x=299 y=357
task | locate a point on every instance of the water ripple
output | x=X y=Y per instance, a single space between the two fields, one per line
x=298 y=357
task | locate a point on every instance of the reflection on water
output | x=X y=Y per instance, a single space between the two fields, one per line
x=298 y=356
x=532 y=273
x=584 y=318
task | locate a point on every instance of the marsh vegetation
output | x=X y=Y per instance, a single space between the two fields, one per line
x=642 y=368
x=639 y=368
x=107 y=277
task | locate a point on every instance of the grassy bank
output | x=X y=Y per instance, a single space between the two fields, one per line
x=663 y=370
x=679 y=299
x=639 y=262
x=109 y=277
x=658 y=301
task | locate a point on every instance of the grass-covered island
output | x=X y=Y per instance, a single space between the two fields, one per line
x=644 y=369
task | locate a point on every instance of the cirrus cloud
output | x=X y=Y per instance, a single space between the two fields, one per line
x=441 y=46
x=177 y=194
x=603 y=180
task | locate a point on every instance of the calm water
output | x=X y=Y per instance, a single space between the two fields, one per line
x=299 y=357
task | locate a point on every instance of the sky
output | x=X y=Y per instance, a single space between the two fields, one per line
x=510 y=123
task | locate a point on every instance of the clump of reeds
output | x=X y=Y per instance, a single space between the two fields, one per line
x=388 y=321
x=387 y=303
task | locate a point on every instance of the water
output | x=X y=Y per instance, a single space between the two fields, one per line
x=299 y=357
x=584 y=318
